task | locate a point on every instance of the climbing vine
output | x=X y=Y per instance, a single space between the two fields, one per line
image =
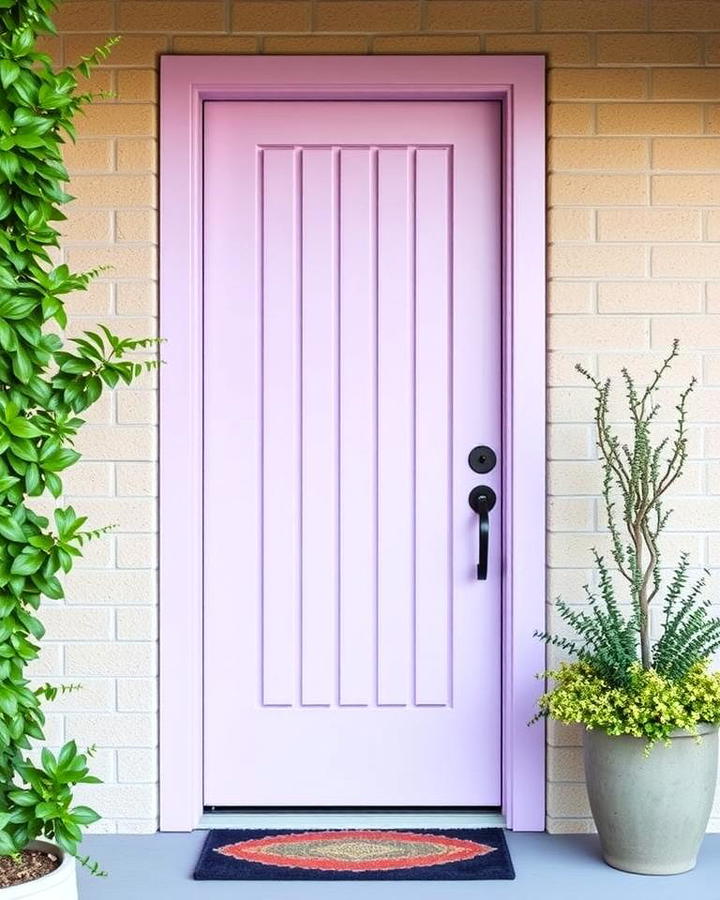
x=46 y=384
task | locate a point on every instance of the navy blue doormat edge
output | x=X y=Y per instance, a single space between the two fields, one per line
x=383 y=854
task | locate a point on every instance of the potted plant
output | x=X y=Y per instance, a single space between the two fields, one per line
x=648 y=701
x=45 y=386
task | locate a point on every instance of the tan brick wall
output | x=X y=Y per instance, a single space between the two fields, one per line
x=634 y=224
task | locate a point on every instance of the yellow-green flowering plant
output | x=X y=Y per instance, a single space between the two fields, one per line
x=620 y=680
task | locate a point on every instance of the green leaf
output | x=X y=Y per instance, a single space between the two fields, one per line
x=28 y=561
x=10 y=529
x=9 y=72
x=23 y=428
x=60 y=460
x=83 y=815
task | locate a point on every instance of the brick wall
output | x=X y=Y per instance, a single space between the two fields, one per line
x=634 y=156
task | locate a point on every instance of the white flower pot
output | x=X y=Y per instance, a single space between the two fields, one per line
x=61 y=884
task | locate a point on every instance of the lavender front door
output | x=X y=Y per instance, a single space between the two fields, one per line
x=352 y=362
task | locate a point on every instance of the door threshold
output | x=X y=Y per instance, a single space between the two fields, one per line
x=353 y=818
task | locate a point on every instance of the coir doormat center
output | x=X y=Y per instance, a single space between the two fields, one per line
x=417 y=854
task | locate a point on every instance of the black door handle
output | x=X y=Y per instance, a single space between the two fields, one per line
x=481 y=500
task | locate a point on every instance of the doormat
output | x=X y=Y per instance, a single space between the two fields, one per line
x=417 y=854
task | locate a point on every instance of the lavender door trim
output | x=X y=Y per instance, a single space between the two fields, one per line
x=186 y=81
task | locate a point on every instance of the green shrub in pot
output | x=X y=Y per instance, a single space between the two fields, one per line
x=648 y=701
x=46 y=384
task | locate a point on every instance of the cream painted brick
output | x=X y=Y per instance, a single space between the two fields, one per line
x=654 y=224
x=115 y=588
x=562 y=368
x=88 y=479
x=686 y=190
x=479 y=15
x=713 y=225
x=114 y=190
x=568 y=297
x=49 y=663
x=54 y=729
x=561 y=49
x=136 y=155
x=574 y=551
x=713 y=297
x=126 y=261
x=594 y=260
x=601 y=154
x=97 y=554
x=643 y=366
x=685 y=15
x=95 y=301
x=126 y=514
x=599 y=332
x=117 y=442
x=571 y=514
x=564 y=764
x=695 y=514
x=136 y=298
x=714 y=550
x=648 y=49
x=574 y=477
x=568 y=584
x=567 y=800
x=570 y=404
x=598 y=190
x=136 y=479
x=570 y=441
x=564 y=735
x=136 y=551
x=86 y=225
x=119 y=801
x=571 y=118
x=136 y=407
x=111 y=658
x=77 y=623
x=649 y=296
x=686 y=153
x=597 y=84
x=693 y=331
x=137 y=765
x=136 y=623
x=571 y=223
x=685 y=84
x=136 y=225
x=711 y=373
x=94 y=695
x=677 y=261
x=705 y=405
x=136 y=694
x=649 y=118
x=101 y=412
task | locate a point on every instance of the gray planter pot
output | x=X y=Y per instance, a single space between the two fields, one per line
x=651 y=811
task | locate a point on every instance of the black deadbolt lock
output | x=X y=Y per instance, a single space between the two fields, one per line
x=482 y=459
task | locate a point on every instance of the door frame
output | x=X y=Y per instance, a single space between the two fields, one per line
x=186 y=81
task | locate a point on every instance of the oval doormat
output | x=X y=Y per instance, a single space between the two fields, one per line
x=433 y=854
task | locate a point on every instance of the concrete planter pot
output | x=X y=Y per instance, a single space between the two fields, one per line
x=651 y=811
x=58 y=885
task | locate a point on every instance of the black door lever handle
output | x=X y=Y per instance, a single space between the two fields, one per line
x=481 y=500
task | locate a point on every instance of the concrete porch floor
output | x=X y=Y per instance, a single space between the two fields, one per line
x=556 y=867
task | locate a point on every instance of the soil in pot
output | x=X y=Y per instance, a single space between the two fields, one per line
x=27 y=866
